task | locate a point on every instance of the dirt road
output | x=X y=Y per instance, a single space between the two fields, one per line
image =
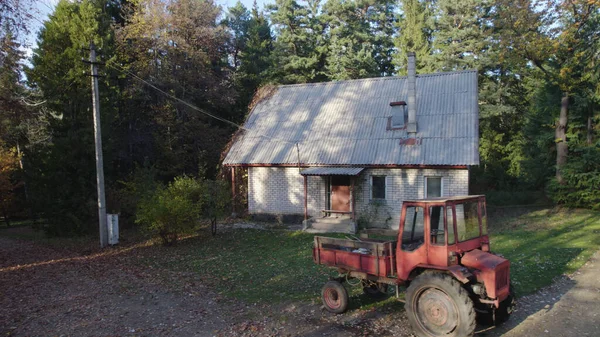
x=56 y=292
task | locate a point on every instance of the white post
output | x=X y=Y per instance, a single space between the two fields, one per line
x=99 y=160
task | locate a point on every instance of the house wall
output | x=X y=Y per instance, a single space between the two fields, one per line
x=280 y=191
x=402 y=184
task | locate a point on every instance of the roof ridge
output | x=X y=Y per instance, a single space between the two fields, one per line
x=381 y=78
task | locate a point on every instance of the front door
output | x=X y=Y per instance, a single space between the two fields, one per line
x=340 y=193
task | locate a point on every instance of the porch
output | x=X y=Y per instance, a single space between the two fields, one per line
x=338 y=214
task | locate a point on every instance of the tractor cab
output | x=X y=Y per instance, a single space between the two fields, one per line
x=435 y=232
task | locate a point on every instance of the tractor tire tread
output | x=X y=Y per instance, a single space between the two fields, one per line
x=462 y=297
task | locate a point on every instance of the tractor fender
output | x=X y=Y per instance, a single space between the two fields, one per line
x=460 y=273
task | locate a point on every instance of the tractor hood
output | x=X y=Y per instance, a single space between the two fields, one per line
x=492 y=270
x=481 y=260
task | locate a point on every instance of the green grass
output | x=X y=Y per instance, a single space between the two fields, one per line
x=272 y=266
x=544 y=244
x=253 y=265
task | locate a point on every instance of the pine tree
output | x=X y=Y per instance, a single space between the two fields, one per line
x=414 y=34
x=237 y=19
x=12 y=92
x=351 y=52
x=62 y=176
x=460 y=38
x=256 y=59
x=299 y=48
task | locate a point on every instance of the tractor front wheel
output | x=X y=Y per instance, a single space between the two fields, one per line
x=335 y=297
x=437 y=305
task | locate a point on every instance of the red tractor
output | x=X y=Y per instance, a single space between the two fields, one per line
x=441 y=253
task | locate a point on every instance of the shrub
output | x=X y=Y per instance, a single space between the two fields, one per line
x=172 y=210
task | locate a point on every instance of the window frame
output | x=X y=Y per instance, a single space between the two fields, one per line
x=441 y=186
x=444 y=225
x=385 y=187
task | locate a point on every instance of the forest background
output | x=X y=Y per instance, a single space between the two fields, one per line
x=539 y=91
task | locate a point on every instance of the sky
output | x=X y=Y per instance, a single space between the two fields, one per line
x=247 y=3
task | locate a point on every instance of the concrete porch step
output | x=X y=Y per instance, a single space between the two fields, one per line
x=333 y=220
x=332 y=226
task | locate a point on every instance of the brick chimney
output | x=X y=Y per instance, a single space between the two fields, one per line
x=411 y=127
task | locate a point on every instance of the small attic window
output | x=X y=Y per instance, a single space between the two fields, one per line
x=399 y=115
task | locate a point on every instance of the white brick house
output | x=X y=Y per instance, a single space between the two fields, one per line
x=359 y=148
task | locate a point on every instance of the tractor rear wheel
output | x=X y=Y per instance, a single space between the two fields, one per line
x=335 y=297
x=437 y=305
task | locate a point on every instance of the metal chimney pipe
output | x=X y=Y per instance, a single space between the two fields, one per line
x=411 y=127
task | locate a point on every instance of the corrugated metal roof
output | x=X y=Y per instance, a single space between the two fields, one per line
x=332 y=171
x=345 y=123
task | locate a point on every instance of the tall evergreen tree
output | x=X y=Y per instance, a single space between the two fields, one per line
x=12 y=91
x=460 y=39
x=256 y=59
x=414 y=34
x=299 y=48
x=351 y=52
x=62 y=175
x=237 y=19
x=555 y=39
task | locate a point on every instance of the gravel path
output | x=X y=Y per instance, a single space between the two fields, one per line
x=569 y=307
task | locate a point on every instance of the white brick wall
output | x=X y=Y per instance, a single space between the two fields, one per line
x=403 y=184
x=277 y=190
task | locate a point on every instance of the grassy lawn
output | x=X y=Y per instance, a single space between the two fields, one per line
x=273 y=266
x=254 y=265
x=544 y=244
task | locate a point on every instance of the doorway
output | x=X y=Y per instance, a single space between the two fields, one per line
x=340 y=193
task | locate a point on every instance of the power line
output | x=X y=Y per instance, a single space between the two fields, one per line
x=127 y=72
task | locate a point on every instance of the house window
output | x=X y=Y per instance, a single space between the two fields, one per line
x=433 y=187
x=378 y=187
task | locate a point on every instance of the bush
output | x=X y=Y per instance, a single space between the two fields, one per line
x=172 y=210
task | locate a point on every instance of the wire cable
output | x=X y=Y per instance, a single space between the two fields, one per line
x=127 y=72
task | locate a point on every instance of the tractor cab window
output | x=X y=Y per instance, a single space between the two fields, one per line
x=436 y=221
x=467 y=221
x=450 y=222
x=413 y=233
x=484 y=225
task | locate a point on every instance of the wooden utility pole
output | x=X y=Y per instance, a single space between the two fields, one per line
x=99 y=160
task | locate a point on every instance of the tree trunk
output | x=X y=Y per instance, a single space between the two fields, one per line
x=590 y=129
x=5 y=214
x=562 y=150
